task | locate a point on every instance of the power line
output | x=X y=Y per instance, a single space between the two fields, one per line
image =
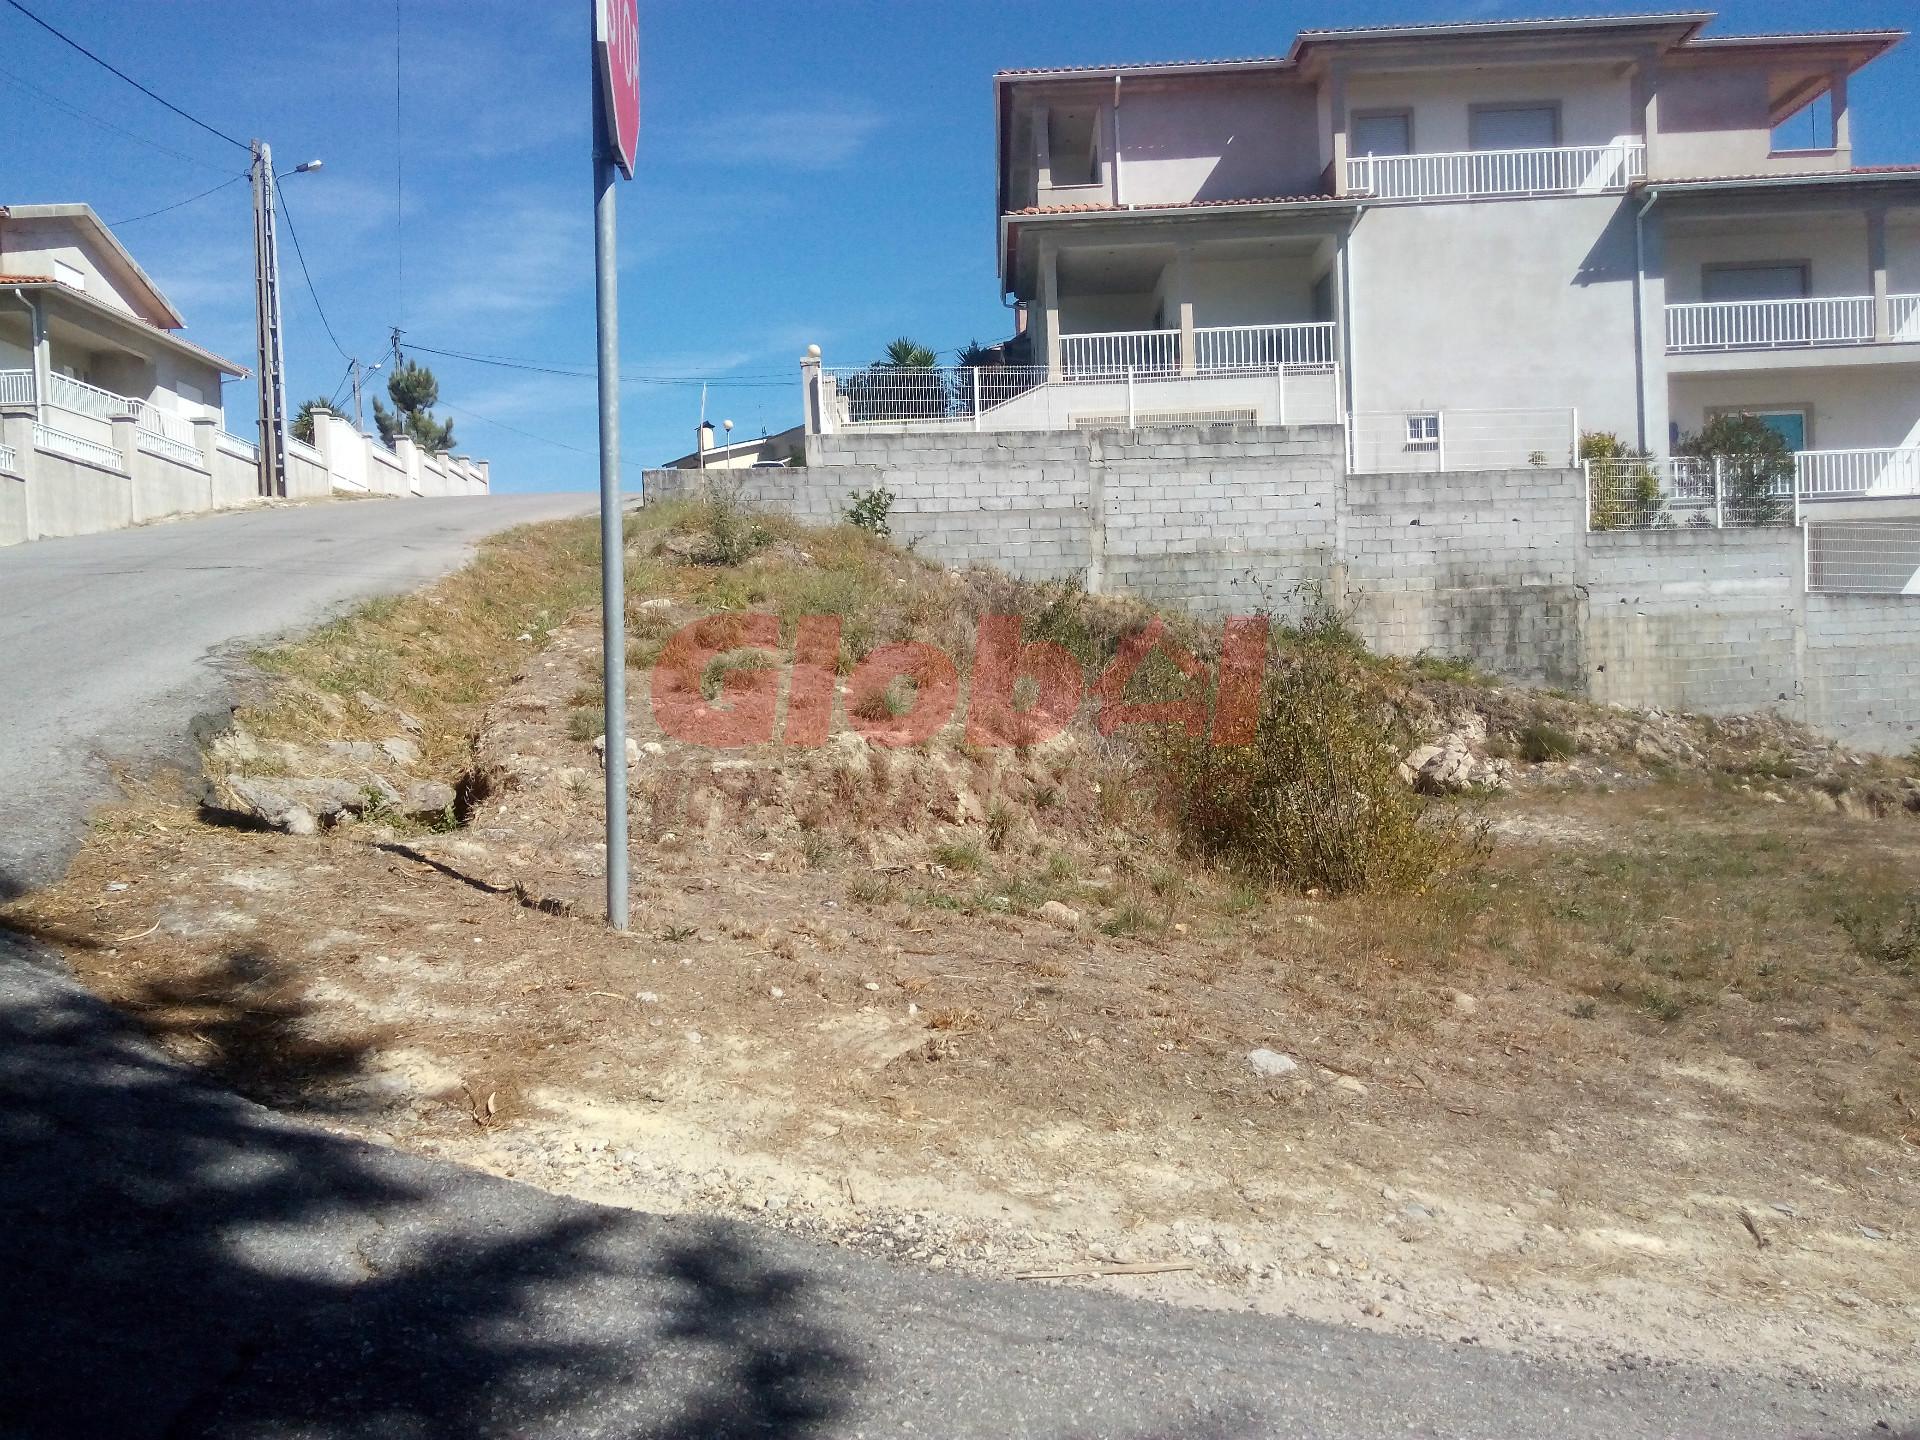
x=528 y=434
x=504 y=362
x=300 y=255
x=69 y=40
x=235 y=180
x=77 y=113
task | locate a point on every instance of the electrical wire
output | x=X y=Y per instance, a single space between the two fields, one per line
x=104 y=65
x=234 y=180
x=48 y=98
x=756 y=380
x=300 y=255
x=529 y=435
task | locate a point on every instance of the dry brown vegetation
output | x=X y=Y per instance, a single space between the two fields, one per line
x=1540 y=1096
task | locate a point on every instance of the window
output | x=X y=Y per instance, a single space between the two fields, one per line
x=1792 y=424
x=69 y=274
x=1758 y=280
x=1423 y=431
x=1073 y=146
x=1808 y=128
x=1513 y=127
x=1381 y=132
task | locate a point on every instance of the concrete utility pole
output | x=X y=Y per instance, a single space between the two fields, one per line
x=271 y=341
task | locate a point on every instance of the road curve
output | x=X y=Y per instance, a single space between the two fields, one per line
x=178 y=1262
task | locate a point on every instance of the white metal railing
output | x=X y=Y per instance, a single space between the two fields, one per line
x=1025 y=397
x=1903 y=315
x=165 y=446
x=16 y=387
x=74 y=447
x=234 y=445
x=1858 y=474
x=1770 y=324
x=1117 y=351
x=164 y=422
x=1412 y=441
x=9 y=460
x=1477 y=174
x=84 y=399
x=304 y=451
x=1722 y=492
x=1262 y=347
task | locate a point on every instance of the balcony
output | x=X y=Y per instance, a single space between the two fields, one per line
x=1497 y=174
x=1218 y=350
x=1788 y=324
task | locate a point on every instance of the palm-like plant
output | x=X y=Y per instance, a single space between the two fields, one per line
x=908 y=354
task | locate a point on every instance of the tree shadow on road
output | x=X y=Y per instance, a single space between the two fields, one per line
x=179 y=1262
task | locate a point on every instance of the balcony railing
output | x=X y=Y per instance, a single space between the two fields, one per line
x=1489 y=174
x=16 y=387
x=1858 y=474
x=84 y=399
x=1903 y=315
x=1217 y=349
x=1116 y=352
x=9 y=461
x=1262 y=347
x=1770 y=324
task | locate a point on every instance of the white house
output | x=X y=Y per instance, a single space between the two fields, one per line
x=1468 y=241
x=108 y=416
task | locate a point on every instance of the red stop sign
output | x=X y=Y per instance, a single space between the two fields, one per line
x=616 y=40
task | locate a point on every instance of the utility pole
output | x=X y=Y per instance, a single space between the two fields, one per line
x=359 y=416
x=271 y=340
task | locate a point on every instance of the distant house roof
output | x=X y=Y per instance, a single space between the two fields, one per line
x=790 y=440
x=86 y=219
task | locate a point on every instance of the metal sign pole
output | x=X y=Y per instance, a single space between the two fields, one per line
x=613 y=586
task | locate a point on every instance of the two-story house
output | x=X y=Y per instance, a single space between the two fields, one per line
x=1620 y=217
x=85 y=334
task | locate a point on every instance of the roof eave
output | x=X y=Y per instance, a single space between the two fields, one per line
x=144 y=329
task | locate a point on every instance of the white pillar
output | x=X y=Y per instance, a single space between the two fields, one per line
x=42 y=359
x=1877 y=271
x=1050 y=305
x=1183 y=298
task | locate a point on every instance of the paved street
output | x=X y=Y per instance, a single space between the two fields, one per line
x=177 y=1262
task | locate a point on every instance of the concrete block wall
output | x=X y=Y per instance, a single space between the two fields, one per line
x=1694 y=619
x=1495 y=567
x=1860 y=669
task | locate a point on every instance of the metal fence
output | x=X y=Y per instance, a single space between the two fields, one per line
x=16 y=387
x=1724 y=492
x=234 y=445
x=75 y=447
x=1467 y=174
x=1118 y=351
x=1413 y=441
x=1864 y=557
x=165 y=446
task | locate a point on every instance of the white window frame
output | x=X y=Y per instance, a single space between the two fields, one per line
x=1387 y=112
x=1423 y=430
x=1508 y=107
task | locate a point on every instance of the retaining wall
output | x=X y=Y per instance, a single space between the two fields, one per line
x=1494 y=567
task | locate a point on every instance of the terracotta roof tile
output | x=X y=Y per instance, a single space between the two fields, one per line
x=26 y=279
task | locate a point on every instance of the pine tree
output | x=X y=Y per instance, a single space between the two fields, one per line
x=414 y=392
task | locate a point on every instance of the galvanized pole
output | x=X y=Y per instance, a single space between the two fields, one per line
x=613 y=586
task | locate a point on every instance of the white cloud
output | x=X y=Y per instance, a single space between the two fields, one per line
x=792 y=138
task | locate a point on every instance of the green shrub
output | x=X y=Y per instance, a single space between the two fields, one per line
x=1314 y=800
x=1888 y=939
x=731 y=534
x=1540 y=743
x=1624 y=494
x=869 y=511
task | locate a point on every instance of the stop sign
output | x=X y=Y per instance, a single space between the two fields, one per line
x=616 y=40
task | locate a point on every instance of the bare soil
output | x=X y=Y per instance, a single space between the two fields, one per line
x=1633 y=1090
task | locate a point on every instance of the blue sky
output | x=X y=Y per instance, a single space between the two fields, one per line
x=809 y=174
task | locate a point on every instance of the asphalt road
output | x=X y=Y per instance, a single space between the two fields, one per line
x=178 y=1262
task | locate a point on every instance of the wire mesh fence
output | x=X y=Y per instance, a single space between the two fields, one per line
x=1719 y=492
x=1864 y=557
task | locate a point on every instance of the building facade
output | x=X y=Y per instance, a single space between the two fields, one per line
x=1624 y=220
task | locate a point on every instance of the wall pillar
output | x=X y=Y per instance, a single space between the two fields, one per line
x=408 y=455
x=1877 y=271
x=1183 y=302
x=1050 y=305
x=126 y=441
x=1336 y=90
x=205 y=440
x=813 y=406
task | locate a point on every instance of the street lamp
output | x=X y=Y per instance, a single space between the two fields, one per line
x=269 y=335
x=726 y=446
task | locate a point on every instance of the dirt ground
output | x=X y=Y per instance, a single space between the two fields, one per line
x=1634 y=1093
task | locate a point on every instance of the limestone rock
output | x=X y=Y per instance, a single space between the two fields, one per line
x=401 y=751
x=1058 y=914
x=633 y=751
x=1271 y=1063
x=428 y=800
